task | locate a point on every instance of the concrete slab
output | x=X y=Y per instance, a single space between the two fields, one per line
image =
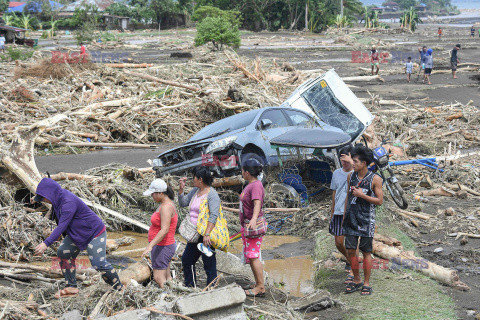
x=222 y=303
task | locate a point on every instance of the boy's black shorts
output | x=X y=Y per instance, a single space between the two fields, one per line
x=366 y=243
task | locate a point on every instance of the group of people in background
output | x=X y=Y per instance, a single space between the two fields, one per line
x=426 y=63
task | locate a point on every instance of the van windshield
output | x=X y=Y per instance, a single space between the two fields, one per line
x=330 y=110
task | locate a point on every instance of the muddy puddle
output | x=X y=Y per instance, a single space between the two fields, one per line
x=286 y=262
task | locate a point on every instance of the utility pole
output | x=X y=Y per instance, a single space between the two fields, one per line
x=341 y=8
x=306 y=15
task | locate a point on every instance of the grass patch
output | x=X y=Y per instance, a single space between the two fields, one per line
x=398 y=295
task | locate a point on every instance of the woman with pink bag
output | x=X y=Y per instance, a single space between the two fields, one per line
x=253 y=223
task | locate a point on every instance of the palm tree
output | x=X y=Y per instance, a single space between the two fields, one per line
x=25 y=21
x=8 y=19
x=410 y=19
x=51 y=32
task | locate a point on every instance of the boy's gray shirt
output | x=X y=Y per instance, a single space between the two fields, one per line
x=339 y=184
x=212 y=198
x=429 y=62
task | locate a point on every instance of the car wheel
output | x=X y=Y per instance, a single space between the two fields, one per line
x=261 y=159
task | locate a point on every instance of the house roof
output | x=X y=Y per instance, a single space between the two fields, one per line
x=100 y=4
x=35 y=8
x=13 y=4
x=12 y=28
x=390 y=4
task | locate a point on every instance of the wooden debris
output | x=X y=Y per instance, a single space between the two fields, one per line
x=128 y=65
x=434 y=271
x=163 y=81
x=138 y=272
x=442 y=191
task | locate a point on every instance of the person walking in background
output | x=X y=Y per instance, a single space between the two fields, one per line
x=2 y=43
x=440 y=32
x=202 y=191
x=375 y=59
x=251 y=203
x=428 y=66
x=409 y=68
x=82 y=229
x=161 y=235
x=454 y=61
x=338 y=186
x=365 y=193
x=423 y=52
x=472 y=31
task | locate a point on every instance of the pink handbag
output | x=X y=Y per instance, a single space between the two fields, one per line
x=258 y=231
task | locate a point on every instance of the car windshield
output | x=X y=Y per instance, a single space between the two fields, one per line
x=330 y=110
x=235 y=122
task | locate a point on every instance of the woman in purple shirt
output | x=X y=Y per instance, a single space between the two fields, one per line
x=82 y=229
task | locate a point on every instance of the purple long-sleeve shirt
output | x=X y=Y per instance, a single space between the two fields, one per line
x=74 y=217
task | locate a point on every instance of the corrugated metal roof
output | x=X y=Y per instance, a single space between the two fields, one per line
x=13 y=4
x=100 y=4
x=12 y=28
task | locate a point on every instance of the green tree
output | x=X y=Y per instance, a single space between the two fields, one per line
x=405 y=4
x=219 y=31
x=410 y=19
x=208 y=11
x=3 y=5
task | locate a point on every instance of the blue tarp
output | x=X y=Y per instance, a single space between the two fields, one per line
x=36 y=7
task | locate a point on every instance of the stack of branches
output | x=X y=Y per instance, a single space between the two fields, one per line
x=163 y=103
x=425 y=131
x=21 y=231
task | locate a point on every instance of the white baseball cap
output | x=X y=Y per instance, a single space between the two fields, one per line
x=157 y=185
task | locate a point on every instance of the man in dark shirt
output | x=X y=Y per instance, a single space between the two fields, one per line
x=472 y=31
x=454 y=60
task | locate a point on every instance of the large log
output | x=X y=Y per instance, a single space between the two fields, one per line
x=128 y=65
x=19 y=158
x=228 y=181
x=139 y=272
x=114 y=244
x=72 y=176
x=45 y=270
x=363 y=79
x=430 y=269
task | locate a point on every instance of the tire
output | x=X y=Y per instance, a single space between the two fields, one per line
x=397 y=193
x=261 y=159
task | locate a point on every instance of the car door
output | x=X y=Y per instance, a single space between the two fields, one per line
x=279 y=125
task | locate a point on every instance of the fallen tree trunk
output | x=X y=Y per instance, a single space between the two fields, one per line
x=387 y=240
x=438 y=192
x=45 y=270
x=19 y=158
x=470 y=235
x=114 y=244
x=167 y=82
x=128 y=65
x=363 y=79
x=98 y=105
x=430 y=269
x=228 y=181
x=116 y=214
x=412 y=221
x=414 y=214
x=107 y=145
x=72 y=176
x=139 y=272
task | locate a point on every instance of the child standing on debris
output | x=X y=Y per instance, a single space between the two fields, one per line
x=161 y=235
x=339 y=194
x=251 y=216
x=365 y=193
x=409 y=68
x=428 y=65
x=82 y=229
x=202 y=181
x=375 y=59
x=440 y=32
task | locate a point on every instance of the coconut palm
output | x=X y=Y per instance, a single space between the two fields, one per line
x=51 y=32
x=8 y=19
x=26 y=21
x=410 y=19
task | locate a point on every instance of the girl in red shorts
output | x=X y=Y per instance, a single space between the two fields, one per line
x=251 y=203
x=161 y=235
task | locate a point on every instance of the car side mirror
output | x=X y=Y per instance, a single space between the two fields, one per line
x=265 y=123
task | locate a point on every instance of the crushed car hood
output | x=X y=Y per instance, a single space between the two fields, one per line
x=331 y=100
x=311 y=138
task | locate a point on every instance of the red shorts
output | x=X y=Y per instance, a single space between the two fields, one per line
x=251 y=247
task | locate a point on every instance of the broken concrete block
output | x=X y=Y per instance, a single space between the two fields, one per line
x=222 y=303
x=316 y=301
x=139 y=314
x=230 y=263
x=72 y=315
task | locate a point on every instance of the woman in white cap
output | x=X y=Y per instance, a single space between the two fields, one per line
x=161 y=235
